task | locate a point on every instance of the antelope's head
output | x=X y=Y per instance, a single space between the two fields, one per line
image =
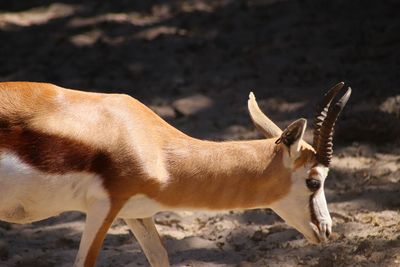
x=304 y=207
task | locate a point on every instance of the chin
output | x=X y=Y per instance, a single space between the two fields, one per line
x=313 y=239
x=312 y=236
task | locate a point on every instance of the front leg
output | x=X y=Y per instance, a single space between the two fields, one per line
x=100 y=215
x=146 y=234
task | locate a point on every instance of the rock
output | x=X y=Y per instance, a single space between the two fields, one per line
x=391 y=105
x=191 y=105
x=164 y=111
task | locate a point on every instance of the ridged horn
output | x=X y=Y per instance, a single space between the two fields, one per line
x=324 y=142
x=322 y=110
x=261 y=121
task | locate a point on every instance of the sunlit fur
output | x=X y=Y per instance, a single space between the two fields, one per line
x=108 y=155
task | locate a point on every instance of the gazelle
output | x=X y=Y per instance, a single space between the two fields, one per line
x=110 y=156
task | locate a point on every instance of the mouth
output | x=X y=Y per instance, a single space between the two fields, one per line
x=318 y=235
x=321 y=228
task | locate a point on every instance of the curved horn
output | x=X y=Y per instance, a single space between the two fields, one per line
x=322 y=110
x=262 y=122
x=325 y=144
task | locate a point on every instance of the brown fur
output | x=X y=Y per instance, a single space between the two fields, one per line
x=58 y=130
x=227 y=175
x=51 y=153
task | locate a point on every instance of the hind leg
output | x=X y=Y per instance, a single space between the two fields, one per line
x=146 y=234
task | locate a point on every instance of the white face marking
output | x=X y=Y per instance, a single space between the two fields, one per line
x=295 y=209
x=319 y=204
x=322 y=172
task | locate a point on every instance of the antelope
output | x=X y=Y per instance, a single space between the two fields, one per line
x=110 y=156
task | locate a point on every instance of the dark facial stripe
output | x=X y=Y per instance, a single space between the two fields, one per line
x=314 y=219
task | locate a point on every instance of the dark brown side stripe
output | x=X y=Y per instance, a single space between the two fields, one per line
x=51 y=153
x=122 y=175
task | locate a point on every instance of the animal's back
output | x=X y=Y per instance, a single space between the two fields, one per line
x=104 y=121
x=62 y=142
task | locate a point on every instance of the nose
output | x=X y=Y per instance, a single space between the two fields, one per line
x=322 y=230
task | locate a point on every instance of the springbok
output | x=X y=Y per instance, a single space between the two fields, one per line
x=110 y=156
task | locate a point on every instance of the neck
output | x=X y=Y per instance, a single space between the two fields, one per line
x=225 y=175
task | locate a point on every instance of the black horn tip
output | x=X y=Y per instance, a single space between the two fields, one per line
x=337 y=86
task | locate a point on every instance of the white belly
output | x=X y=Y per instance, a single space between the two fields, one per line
x=28 y=195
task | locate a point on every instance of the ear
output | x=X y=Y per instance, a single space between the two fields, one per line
x=292 y=136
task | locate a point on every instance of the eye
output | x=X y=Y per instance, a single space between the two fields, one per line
x=313 y=184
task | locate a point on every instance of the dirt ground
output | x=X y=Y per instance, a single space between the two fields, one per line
x=194 y=63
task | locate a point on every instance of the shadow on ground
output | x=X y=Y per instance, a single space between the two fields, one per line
x=194 y=63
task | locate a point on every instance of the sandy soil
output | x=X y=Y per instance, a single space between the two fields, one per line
x=194 y=63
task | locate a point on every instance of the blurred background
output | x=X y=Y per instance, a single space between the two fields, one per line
x=194 y=63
